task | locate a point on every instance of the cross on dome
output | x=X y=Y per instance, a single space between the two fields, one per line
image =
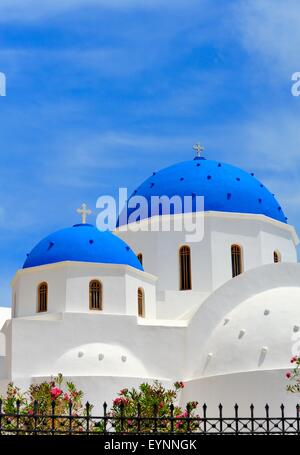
x=198 y=149
x=84 y=211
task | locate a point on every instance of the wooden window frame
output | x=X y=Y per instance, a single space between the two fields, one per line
x=95 y=295
x=141 y=302
x=140 y=258
x=237 y=268
x=276 y=256
x=185 y=268
x=42 y=303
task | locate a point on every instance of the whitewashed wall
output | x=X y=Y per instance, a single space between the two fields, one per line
x=68 y=288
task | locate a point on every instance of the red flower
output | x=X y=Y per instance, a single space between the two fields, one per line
x=179 y=385
x=294 y=359
x=288 y=375
x=123 y=391
x=55 y=393
x=119 y=401
x=66 y=397
x=30 y=412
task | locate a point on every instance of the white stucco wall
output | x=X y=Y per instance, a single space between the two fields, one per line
x=259 y=237
x=68 y=288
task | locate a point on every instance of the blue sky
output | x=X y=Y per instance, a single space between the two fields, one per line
x=100 y=93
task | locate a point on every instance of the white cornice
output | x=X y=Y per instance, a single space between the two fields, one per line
x=59 y=265
x=211 y=214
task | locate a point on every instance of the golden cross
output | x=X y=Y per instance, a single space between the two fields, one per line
x=198 y=149
x=84 y=211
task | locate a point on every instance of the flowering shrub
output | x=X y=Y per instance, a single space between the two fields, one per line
x=42 y=401
x=294 y=376
x=156 y=404
x=56 y=406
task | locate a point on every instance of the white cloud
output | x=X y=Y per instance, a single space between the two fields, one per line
x=269 y=30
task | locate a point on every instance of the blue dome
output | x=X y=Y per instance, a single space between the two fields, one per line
x=225 y=188
x=84 y=243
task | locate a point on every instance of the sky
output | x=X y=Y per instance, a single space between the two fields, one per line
x=101 y=93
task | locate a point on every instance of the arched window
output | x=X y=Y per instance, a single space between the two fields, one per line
x=141 y=303
x=185 y=275
x=140 y=258
x=95 y=295
x=236 y=260
x=42 y=297
x=277 y=257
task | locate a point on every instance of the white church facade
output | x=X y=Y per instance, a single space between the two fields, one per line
x=113 y=310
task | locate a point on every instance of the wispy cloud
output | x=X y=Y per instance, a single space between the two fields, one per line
x=32 y=10
x=269 y=30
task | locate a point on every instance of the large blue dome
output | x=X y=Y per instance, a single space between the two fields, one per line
x=84 y=243
x=225 y=188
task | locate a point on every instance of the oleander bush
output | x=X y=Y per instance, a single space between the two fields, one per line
x=294 y=376
x=156 y=405
x=56 y=406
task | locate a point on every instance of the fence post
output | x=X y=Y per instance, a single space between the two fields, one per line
x=252 y=418
x=104 y=417
x=298 y=421
x=236 y=418
x=172 y=417
x=267 y=419
x=18 y=416
x=87 y=409
x=282 y=419
x=35 y=415
x=204 y=419
x=188 y=412
x=70 y=416
x=221 y=417
x=52 y=417
x=139 y=417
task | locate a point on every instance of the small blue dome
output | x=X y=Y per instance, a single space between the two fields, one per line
x=84 y=243
x=225 y=188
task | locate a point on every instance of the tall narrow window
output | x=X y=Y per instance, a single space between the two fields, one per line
x=140 y=258
x=236 y=260
x=185 y=275
x=277 y=257
x=141 y=303
x=95 y=295
x=42 y=297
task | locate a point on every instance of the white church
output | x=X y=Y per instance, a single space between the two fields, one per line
x=113 y=310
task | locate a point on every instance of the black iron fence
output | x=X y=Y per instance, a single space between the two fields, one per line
x=37 y=423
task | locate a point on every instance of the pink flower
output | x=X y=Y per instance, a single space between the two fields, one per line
x=120 y=401
x=288 y=375
x=130 y=422
x=123 y=391
x=66 y=397
x=193 y=404
x=179 y=385
x=55 y=393
x=294 y=359
x=30 y=412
